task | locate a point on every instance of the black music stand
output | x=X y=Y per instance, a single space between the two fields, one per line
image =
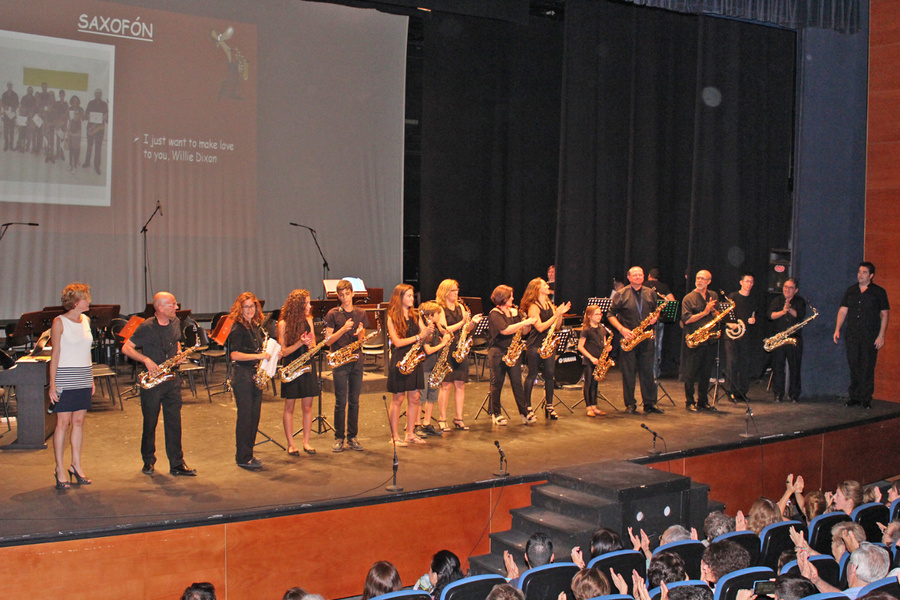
x=721 y=306
x=603 y=303
x=562 y=340
x=320 y=423
x=669 y=314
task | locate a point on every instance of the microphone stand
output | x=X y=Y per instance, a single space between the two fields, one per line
x=325 y=268
x=396 y=464
x=653 y=451
x=146 y=258
x=503 y=464
x=5 y=226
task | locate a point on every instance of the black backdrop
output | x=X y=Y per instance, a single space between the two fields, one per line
x=587 y=143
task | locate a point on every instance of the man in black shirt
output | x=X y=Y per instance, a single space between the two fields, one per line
x=865 y=308
x=738 y=350
x=157 y=337
x=9 y=103
x=786 y=311
x=697 y=309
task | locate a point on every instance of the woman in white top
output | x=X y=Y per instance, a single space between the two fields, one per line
x=71 y=381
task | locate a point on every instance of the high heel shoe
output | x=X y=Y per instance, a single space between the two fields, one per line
x=460 y=424
x=549 y=413
x=498 y=420
x=78 y=478
x=443 y=425
x=60 y=485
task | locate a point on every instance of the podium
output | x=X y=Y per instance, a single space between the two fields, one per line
x=29 y=375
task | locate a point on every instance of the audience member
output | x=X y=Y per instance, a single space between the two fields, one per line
x=665 y=567
x=296 y=593
x=716 y=524
x=589 y=583
x=199 y=591
x=538 y=552
x=505 y=591
x=793 y=587
x=382 y=579
x=890 y=533
x=690 y=592
x=722 y=558
x=603 y=541
x=763 y=513
x=674 y=533
x=849 y=495
x=868 y=564
x=445 y=569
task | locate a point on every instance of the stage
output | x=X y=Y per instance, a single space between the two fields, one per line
x=123 y=500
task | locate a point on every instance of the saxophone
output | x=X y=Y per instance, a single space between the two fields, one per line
x=605 y=362
x=148 y=381
x=261 y=378
x=641 y=333
x=348 y=353
x=706 y=332
x=412 y=359
x=548 y=346
x=441 y=368
x=464 y=345
x=515 y=349
x=299 y=366
x=780 y=339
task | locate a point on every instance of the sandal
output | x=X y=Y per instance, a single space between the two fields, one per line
x=460 y=424
x=590 y=411
x=400 y=443
x=443 y=425
x=498 y=420
x=529 y=418
x=550 y=413
x=414 y=439
x=293 y=451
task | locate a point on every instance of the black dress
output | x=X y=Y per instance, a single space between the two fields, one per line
x=307 y=385
x=398 y=382
x=460 y=370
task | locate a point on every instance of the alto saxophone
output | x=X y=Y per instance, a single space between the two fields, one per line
x=464 y=345
x=441 y=368
x=706 y=332
x=515 y=349
x=780 y=339
x=348 y=353
x=148 y=381
x=412 y=359
x=299 y=365
x=605 y=362
x=261 y=378
x=548 y=346
x=641 y=333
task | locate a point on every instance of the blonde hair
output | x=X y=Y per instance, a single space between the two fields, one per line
x=74 y=292
x=764 y=512
x=429 y=308
x=588 y=313
x=444 y=289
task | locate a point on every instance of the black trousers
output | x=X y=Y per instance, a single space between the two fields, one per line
x=533 y=356
x=590 y=386
x=248 y=399
x=166 y=397
x=861 y=357
x=639 y=362
x=698 y=365
x=347 y=385
x=737 y=364
x=792 y=356
x=499 y=370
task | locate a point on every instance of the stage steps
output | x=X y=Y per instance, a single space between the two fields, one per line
x=577 y=500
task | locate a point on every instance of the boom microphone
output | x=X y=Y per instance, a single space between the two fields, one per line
x=159 y=206
x=502 y=454
x=643 y=426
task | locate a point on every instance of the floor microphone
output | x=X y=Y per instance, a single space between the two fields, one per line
x=502 y=472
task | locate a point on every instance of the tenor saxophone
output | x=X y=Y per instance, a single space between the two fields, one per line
x=706 y=332
x=515 y=349
x=780 y=339
x=605 y=362
x=412 y=359
x=548 y=346
x=348 y=353
x=148 y=381
x=299 y=366
x=441 y=368
x=641 y=333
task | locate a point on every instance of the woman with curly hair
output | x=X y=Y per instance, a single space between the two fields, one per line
x=296 y=337
x=245 y=343
x=405 y=329
x=537 y=305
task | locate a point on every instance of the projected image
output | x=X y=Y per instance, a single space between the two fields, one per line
x=238 y=65
x=56 y=110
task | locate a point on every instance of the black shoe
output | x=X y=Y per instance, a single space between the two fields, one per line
x=550 y=414
x=852 y=403
x=254 y=464
x=707 y=407
x=183 y=470
x=430 y=430
x=148 y=469
x=631 y=410
x=867 y=404
x=691 y=407
x=652 y=409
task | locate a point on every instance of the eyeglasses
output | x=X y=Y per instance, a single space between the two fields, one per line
x=248 y=306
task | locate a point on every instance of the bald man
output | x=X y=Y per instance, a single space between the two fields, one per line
x=158 y=338
x=697 y=309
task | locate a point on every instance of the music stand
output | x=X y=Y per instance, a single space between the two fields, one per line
x=669 y=314
x=603 y=303
x=562 y=339
x=319 y=423
x=220 y=335
x=721 y=306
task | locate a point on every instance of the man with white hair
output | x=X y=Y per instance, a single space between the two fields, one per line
x=868 y=564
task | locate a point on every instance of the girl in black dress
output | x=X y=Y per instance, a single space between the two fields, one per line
x=536 y=304
x=295 y=334
x=505 y=321
x=405 y=330
x=454 y=316
x=245 y=342
x=593 y=340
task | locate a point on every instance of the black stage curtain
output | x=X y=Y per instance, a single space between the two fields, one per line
x=676 y=147
x=490 y=151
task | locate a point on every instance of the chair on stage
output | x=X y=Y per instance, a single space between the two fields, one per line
x=215 y=351
x=547 y=581
x=623 y=562
x=820 y=530
x=104 y=374
x=869 y=516
x=404 y=595
x=690 y=551
x=471 y=588
x=775 y=539
x=747 y=539
x=743 y=579
x=656 y=592
x=190 y=335
x=829 y=570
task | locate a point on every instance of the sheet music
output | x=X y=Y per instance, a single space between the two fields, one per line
x=270 y=365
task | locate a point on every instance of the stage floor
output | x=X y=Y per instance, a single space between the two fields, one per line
x=123 y=500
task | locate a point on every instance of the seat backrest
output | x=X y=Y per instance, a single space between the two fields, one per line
x=747 y=539
x=405 y=595
x=622 y=562
x=690 y=551
x=613 y=597
x=656 y=592
x=820 y=530
x=547 y=581
x=844 y=564
x=743 y=579
x=828 y=568
x=869 y=516
x=895 y=509
x=775 y=539
x=888 y=585
x=827 y=596
x=471 y=588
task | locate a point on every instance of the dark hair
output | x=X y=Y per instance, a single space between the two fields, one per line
x=446 y=566
x=869 y=266
x=747 y=274
x=791 y=586
x=725 y=557
x=590 y=583
x=538 y=550
x=665 y=567
x=504 y=591
x=199 y=591
x=787 y=556
x=382 y=579
x=793 y=280
x=501 y=294
x=691 y=592
x=653 y=274
x=604 y=540
x=294 y=593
